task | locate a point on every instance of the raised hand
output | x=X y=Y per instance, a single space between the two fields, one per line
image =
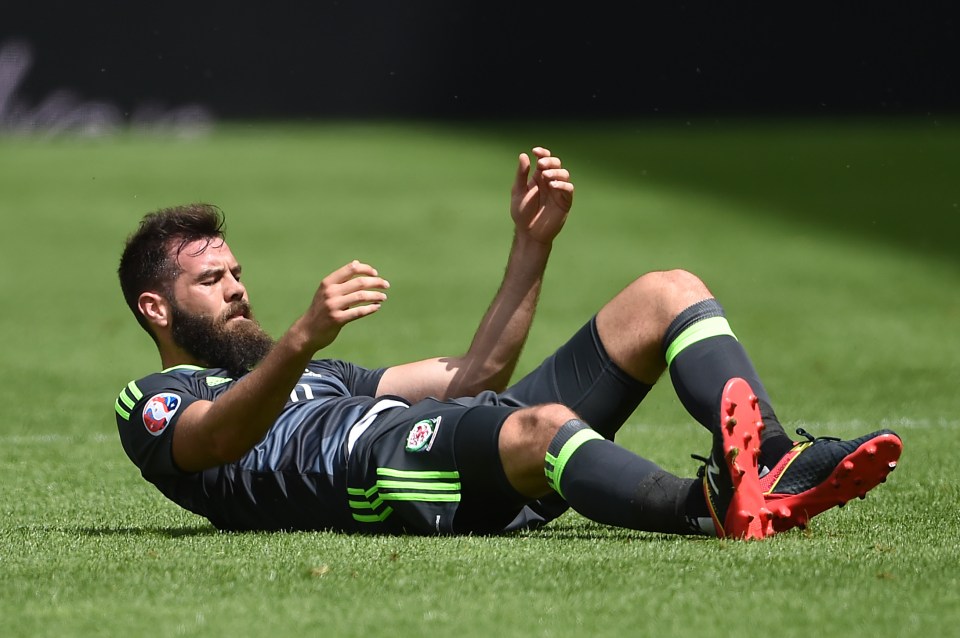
x=539 y=204
x=349 y=293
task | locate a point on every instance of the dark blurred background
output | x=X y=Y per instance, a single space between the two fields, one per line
x=469 y=60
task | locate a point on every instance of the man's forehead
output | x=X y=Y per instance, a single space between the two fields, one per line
x=202 y=252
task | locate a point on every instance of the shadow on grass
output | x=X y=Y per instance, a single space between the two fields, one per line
x=888 y=181
x=596 y=532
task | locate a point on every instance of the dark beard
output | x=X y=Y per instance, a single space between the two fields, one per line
x=236 y=347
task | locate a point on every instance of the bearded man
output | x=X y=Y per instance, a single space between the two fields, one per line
x=253 y=434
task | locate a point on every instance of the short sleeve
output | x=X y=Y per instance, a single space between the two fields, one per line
x=360 y=381
x=147 y=412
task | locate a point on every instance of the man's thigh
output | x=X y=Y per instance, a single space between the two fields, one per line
x=581 y=376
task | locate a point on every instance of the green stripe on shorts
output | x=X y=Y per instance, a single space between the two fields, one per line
x=368 y=505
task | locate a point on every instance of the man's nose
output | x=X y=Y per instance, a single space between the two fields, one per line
x=234 y=289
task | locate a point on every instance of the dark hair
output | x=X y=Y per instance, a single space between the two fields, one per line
x=149 y=260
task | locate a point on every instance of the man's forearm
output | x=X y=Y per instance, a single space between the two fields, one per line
x=223 y=431
x=254 y=402
x=211 y=433
x=539 y=204
x=502 y=333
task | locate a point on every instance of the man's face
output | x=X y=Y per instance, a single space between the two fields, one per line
x=211 y=317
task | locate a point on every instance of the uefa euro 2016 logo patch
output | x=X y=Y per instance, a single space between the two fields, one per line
x=159 y=411
x=422 y=434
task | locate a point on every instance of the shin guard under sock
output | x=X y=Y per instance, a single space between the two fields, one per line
x=702 y=354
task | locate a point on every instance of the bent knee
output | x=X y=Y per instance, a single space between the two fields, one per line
x=657 y=297
x=539 y=424
x=677 y=285
x=524 y=440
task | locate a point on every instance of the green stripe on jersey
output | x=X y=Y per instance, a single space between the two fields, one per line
x=182 y=367
x=123 y=413
x=127 y=399
x=135 y=391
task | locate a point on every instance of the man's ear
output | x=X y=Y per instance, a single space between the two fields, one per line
x=154 y=308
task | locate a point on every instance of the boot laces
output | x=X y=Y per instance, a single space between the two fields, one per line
x=703 y=468
x=813 y=439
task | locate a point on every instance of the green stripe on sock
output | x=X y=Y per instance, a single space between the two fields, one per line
x=560 y=461
x=710 y=327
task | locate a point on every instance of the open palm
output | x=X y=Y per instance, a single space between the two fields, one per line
x=540 y=202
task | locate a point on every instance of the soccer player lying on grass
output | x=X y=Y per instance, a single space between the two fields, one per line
x=256 y=434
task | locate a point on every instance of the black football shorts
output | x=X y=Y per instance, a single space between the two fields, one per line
x=434 y=468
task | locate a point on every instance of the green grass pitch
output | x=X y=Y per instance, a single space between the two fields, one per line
x=833 y=246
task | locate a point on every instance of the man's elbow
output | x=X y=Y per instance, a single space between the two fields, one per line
x=227 y=450
x=473 y=382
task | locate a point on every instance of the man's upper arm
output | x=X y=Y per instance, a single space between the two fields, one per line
x=421 y=379
x=149 y=412
x=193 y=448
